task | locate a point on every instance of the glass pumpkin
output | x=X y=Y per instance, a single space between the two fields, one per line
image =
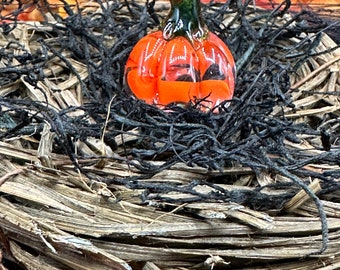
x=182 y=63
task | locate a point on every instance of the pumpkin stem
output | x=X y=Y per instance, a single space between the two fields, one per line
x=185 y=19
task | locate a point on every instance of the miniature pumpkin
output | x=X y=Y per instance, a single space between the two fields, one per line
x=182 y=63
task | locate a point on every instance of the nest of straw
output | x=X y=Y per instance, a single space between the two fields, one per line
x=94 y=179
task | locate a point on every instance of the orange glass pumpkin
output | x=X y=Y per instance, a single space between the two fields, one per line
x=182 y=63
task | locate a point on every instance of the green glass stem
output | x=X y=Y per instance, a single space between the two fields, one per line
x=185 y=19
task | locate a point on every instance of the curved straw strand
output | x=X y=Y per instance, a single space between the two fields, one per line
x=312 y=74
